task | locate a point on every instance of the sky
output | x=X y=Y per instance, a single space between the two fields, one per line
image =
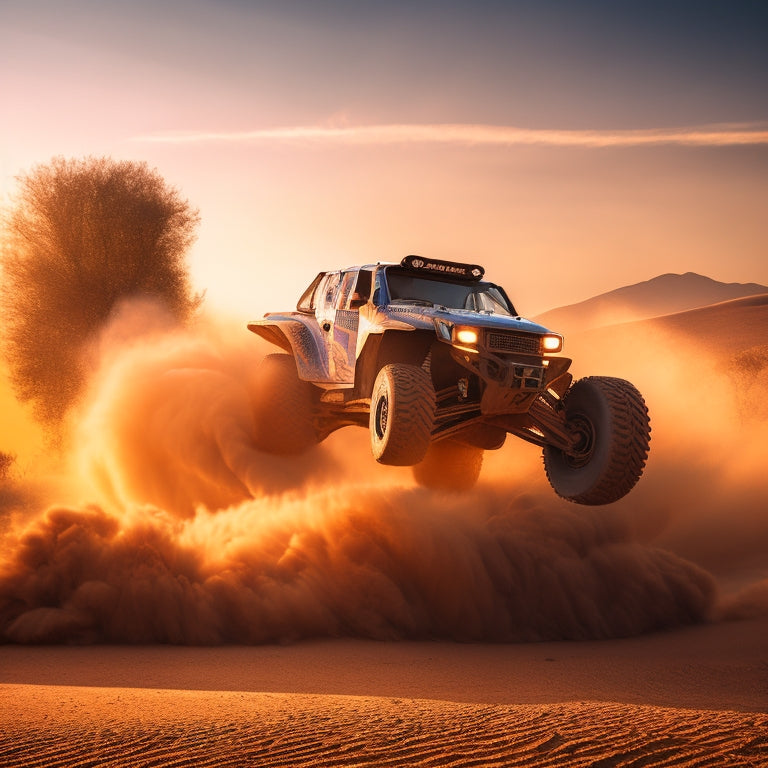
x=570 y=147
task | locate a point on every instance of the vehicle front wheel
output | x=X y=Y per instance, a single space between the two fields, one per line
x=402 y=414
x=283 y=407
x=449 y=465
x=609 y=420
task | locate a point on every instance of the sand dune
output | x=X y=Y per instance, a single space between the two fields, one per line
x=716 y=666
x=124 y=727
x=697 y=696
x=724 y=329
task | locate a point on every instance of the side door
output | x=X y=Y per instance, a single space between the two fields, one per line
x=344 y=331
x=325 y=313
x=354 y=293
x=338 y=300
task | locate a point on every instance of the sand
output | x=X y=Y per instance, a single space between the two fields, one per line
x=693 y=696
x=338 y=561
x=97 y=726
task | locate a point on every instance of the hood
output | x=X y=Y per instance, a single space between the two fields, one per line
x=423 y=317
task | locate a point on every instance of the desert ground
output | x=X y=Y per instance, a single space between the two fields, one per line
x=693 y=696
x=172 y=597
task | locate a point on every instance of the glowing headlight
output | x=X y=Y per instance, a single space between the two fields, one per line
x=466 y=336
x=551 y=343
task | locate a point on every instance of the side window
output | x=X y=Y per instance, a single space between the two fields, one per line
x=346 y=288
x=355 y=289
x=380 y=295
x=325 y=296
x=307 y=300
x=362 y=290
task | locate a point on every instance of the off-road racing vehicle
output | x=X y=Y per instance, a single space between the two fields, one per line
x=439 y=366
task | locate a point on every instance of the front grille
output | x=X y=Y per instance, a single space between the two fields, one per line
x=523 y=344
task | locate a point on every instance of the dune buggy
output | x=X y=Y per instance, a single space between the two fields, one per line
x=437 y=364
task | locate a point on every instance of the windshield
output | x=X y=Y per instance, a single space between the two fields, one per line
x=406 y=288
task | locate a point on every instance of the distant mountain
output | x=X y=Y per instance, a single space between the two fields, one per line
x=664 y=295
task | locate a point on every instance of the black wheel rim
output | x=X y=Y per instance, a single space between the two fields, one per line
x=382 y=415
x=583 y=432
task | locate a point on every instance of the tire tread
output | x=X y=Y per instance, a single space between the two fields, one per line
x=630 y=442
x=411 y=415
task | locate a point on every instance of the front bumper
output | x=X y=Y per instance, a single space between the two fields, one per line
x=513 y=382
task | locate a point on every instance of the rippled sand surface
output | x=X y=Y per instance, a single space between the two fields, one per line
x=692 y=697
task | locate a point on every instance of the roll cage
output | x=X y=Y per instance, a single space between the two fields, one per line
x=352 y=288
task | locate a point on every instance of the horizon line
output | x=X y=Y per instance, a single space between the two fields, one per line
x=468 y=134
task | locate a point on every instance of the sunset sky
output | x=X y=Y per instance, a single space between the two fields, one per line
x=571 y=147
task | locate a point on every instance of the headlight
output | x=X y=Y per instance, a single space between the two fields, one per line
x=551 y=343
x=466 y=336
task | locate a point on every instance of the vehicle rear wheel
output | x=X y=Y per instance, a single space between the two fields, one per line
x=610 y=420
x=449 y=465
x=402 y=414
x=283 y=407
x=485 y=436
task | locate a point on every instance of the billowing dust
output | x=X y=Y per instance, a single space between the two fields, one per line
x=172 y=527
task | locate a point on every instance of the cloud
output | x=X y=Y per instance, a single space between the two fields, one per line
x=475 y=135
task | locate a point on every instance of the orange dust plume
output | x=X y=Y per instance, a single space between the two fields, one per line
x=169 y=420
x=194 y=536
x=362 y=563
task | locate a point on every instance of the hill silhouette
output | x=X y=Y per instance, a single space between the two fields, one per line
x=663 y=295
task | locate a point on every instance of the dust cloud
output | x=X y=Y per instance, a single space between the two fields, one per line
x=188 y=534
x=366 y=564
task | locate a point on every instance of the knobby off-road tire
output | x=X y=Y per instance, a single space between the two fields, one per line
x=611 y=420
x=449 y=465
x=402 y=414
x=283 y=407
